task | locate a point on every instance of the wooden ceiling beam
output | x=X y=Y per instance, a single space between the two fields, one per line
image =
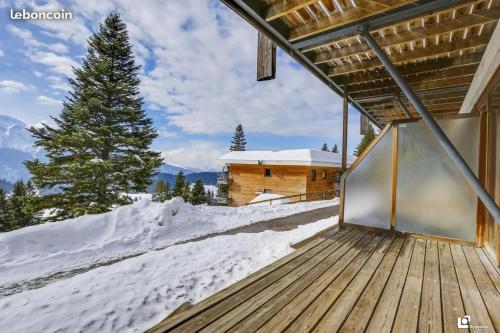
x=443 y=27
x=416 y=79
x=417 y=54
x=410 y=68
x=348 y=16
x=416 y=87
x=283 y=7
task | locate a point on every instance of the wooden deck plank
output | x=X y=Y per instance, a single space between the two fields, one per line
x=430 y=307
x=471 y=296
x=277 y=315
x=230 y=319
x=451 y=298
x=315 y=311
x=386 y=309
x=334 y=318
x=409 y=306
x=257 y=281
x=491 y=296
x=363 y=309
x=492 y=272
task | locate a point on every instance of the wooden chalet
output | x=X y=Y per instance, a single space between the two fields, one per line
x=295 y=175
x=418 y=243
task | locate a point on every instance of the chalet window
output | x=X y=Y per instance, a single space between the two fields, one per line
x=266 y=190
x=267 y=172
x=324 y=174
x=313 y=175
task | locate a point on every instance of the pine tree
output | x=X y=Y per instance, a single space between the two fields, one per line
x=180 y=182
x=5 y=213
x=198 y=195
x=31 y=205
x=335 y=149
x=162 y=191
x=99 y=150
x=19 y=217
x=238 y=143
x=186 y=192
x=325 y=147
x=365 y=142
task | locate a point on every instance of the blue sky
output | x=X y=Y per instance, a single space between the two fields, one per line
x=198 y=77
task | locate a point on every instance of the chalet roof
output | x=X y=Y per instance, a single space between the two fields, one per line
x=304 y=157
x=436 y=45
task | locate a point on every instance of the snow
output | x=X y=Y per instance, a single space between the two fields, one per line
x=306 y=157
x=135 y=294
x=42 y=250
x=268 y=196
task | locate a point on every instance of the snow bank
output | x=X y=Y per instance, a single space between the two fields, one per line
x=145 y=225
x=137 y=293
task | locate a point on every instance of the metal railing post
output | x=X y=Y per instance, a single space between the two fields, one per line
x=452 y=152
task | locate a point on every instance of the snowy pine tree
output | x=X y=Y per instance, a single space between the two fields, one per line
x=238 y=143
x=335 y=149
x=365 y=142
x=99 y=149
x=325 y=147
x=198 y=195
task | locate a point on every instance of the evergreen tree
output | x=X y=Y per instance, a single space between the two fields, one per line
x=335 y=149
x=365 y=142
x=31 y=205
x=99 y=150
x=198 y=195
x=210 y=197
x=5 y=214
x=17 y=200
x=186 y=192
x=325 y=147
x=238 y=143
x=162 y=191
x=180 y=182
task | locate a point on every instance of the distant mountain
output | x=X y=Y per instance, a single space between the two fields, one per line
x=174 y=169
x=14 y=135
x=207 y=177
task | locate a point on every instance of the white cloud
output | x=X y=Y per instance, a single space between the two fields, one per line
x=57 y=63
x=1 y=53
x=204 y=74
x=196 y=154
x=13 y=87
x=46 y=100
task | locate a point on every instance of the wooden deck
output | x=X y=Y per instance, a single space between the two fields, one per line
x=356 y=280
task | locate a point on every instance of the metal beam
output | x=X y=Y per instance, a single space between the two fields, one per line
x=246 y=12
x=388 y=18
x=344 y=129
x=452 y=152
x=402 y=106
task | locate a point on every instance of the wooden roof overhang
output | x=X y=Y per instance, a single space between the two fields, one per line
x=435 y=45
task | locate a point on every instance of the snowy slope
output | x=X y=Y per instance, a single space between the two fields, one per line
x=134 y=295
x=53 y=247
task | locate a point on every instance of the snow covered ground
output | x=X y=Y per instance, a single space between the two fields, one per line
x=42 y=250
x=135 y=294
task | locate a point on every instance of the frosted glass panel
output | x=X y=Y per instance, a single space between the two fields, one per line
x=368 y=187
x=432 y=195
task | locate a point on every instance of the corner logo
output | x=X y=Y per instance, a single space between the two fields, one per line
x=463 y=322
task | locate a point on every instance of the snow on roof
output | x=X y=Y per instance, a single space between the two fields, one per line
x=306 y=157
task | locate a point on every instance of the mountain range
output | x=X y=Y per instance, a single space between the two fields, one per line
x=16 y=146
